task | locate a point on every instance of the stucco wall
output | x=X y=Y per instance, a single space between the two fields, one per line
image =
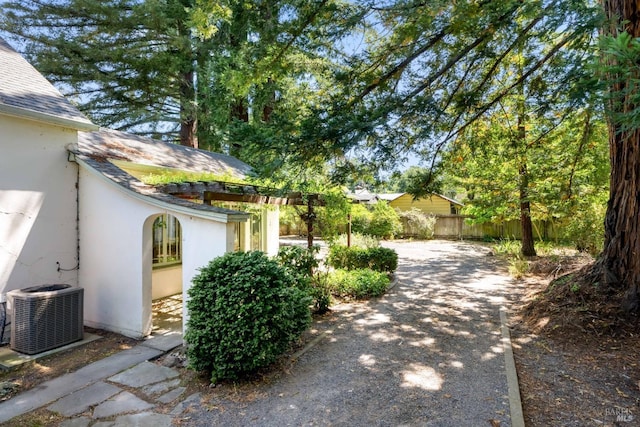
x=166 y=281
x=116 y=253
x=272 y=230
x=37 y=205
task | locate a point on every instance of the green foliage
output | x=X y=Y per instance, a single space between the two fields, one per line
x=321 y=292
x=245 y=310
x=246 y=72
x=429 y=70
x=302 y=263
x=518 y=267
x=360 y=218
x=377 y=259
x=419 y=181
x=290 y=219
x=619 y=68
x=417 y=223
x=358 y=284
x=510 y=248
x=332 y=217
x=385 y=222
x=166 y=177
x=299 y=262
x=585 y=228
x=358 y=241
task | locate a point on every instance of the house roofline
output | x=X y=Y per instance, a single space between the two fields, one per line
x=26 y=113
x=398 y=195
x=203 y=214
x=451 y=200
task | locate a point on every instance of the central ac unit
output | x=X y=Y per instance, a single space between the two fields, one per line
x=45 y=317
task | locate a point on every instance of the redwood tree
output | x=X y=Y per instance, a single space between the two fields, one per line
x=619 y=264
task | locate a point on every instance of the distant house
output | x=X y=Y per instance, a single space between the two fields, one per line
x=73 y=209
x=362 y=195
x=435 y=204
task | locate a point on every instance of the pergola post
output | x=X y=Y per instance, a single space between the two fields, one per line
x=310 y=218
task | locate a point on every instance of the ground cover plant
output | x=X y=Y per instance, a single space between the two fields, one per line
x=357 y=284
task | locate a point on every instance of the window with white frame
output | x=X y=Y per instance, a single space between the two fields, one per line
x=250 y=235
x=257 y=243
x=167 y=241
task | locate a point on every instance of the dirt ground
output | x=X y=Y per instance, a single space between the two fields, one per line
x=570 y=374
x=31 y=374
x=576 y=366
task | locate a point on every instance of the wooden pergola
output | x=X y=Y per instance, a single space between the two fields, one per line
x=221 y=191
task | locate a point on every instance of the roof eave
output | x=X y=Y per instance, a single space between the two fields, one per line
x=26 y=113
x=217 y=216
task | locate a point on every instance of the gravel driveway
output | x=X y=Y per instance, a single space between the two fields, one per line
x=429 y=353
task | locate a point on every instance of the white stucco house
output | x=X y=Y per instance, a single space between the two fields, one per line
x=73 y=209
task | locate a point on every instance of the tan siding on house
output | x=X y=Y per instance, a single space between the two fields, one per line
x=434 y=204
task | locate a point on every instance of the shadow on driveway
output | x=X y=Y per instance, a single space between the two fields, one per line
x=428 y=353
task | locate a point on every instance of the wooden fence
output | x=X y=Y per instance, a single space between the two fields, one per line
x=459 y=227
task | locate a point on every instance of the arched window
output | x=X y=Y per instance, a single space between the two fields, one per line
x=167 y=241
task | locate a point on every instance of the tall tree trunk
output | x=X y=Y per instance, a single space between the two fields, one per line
x=528 y=248
x=621 y=255
x=526 y=226
x=238 y=111
x=188 y=117
x=187 y=87
x=188 y=121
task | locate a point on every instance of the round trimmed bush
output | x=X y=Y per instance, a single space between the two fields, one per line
x=244 y=311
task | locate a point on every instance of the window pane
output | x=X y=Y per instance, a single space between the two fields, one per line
x=256 y=232
x=157 y=240
x=167 y=239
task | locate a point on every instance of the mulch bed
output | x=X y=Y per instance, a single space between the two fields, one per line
x=577 y=356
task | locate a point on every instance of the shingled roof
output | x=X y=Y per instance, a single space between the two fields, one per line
x=98 y=149
x=25 y=93
x=118 y=145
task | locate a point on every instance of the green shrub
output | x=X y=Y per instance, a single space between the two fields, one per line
x=385 y=222
x=585 y=227
x=509 y=248
x=244 y=312
x=300 y=262
x=331 y=217
x=358 y=240
x=382 y=259
x=321 y=293
x=417 y=223
x=358 y=284
x=377 y=259
x=518 y=267
x=360 y=219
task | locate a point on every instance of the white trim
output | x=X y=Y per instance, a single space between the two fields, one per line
x=165 y=206
x=25 y=113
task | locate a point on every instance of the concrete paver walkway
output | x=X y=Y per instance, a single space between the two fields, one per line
x=429 y=353
x=76 y=392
